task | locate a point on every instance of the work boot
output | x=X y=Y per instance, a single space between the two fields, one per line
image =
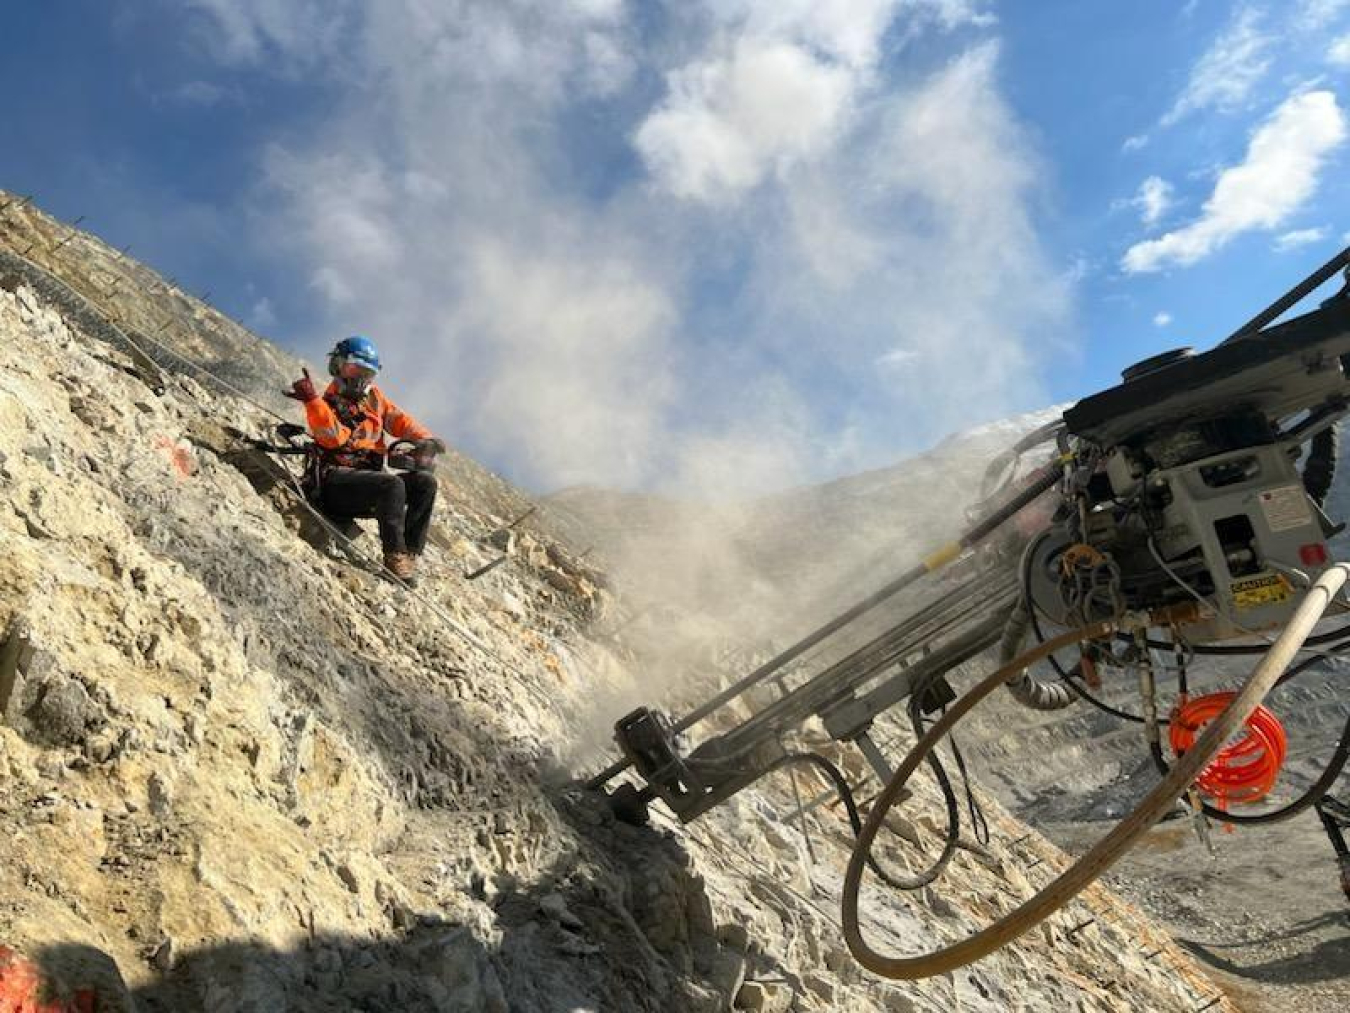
x=402 y=565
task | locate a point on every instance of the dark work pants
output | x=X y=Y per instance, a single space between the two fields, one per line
x=400 y=501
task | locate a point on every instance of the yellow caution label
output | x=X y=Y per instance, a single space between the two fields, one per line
x=1262 y=589
x=943 y=556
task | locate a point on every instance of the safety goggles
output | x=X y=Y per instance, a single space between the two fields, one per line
x=355 y=371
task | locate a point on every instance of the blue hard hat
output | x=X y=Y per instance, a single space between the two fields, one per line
x=357 y=349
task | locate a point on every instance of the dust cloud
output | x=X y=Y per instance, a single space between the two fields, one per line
x=597 y=254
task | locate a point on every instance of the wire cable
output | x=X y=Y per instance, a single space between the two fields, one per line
x=348 y=543
x=845 y=793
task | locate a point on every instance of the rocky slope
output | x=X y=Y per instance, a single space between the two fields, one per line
x=242 y=771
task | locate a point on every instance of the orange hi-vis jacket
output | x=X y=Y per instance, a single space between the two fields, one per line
x=353 y=431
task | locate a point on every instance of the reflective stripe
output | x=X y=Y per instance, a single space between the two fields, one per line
x=364 y=423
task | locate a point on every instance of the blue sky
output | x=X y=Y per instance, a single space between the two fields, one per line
x=712 y=246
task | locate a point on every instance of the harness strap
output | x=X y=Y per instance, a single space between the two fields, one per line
x=352 y=415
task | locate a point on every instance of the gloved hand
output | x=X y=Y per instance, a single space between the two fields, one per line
x=302 y=389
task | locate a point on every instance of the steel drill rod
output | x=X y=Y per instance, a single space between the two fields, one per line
x=850 y=672
x=933 y=562
x=1045 y=480
x=1294 y=295
x=486 y=568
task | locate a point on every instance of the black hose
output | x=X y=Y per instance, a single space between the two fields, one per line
x=979 y=825
x=1004 y=464
x=1320 y=469
x=1334 y=817
x=1038 y=483
x=855 y=820
x=1065 y=676
x=1242 y=650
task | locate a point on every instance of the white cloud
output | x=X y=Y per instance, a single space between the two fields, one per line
x=1284 y=158
x=302 y=33
x=1134 y=142
x=777 y=85
x=1153 y=199
x=1162 y=318
x=1225 y=75
x=1314 y=14
x=728 y=122
x=262 y=316
x=447 y=207
x=1080 y=266
x=904 y=244
x=953 y=13
x=1300 y=237
x=1338 y=53
x=898 y=359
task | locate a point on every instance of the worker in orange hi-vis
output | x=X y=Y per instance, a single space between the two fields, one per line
x=351 y=421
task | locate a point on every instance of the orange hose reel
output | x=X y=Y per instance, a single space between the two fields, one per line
x=1247 y=766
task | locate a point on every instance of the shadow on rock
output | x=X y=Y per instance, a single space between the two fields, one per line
x=433 y=967
x=621 y=923
x=1329 y=960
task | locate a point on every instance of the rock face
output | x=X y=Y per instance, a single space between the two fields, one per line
x=241 y=771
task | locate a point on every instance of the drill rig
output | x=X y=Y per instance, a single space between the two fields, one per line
x=1181 y=511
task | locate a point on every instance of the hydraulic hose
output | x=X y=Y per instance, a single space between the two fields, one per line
x=1314 y=794
x=1066 y=677
x=1315 y=791
x=1106 y=851
x=999 y=472
x=1244 y=650
x=1244 y=770
x=845 y=794
x=1025 y=687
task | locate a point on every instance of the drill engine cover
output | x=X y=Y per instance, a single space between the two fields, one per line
x=1187 y=484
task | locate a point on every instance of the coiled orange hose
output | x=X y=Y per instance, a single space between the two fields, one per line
x=1244 y=769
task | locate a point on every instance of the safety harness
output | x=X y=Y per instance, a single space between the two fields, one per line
x=352 y=415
